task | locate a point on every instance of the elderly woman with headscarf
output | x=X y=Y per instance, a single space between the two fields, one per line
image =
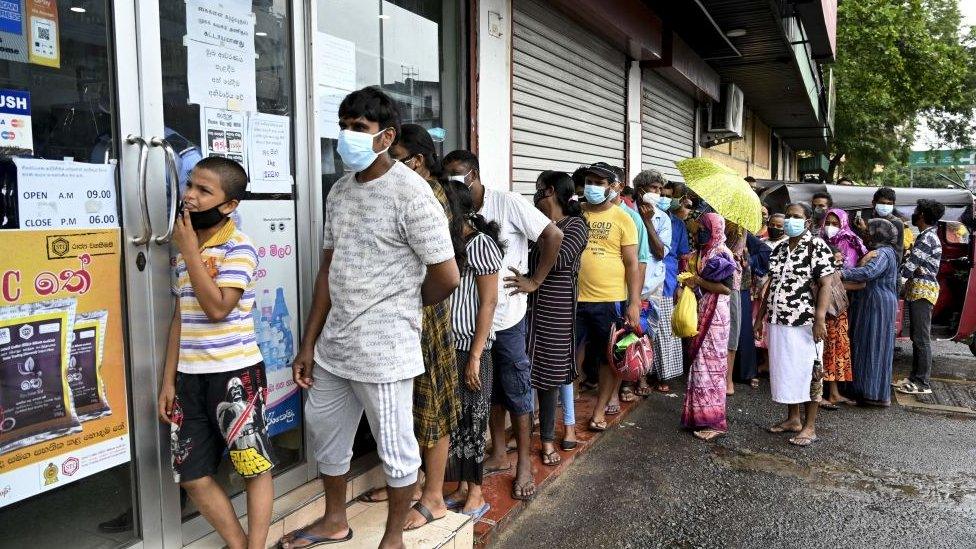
x=704 y=407
x=872 y=314
x=837 y=232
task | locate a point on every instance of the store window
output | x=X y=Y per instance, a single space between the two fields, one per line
x=251 y=120
x=66 y=470
x=410 y=48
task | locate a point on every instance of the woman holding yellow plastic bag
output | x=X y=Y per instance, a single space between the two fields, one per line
x=704 y=406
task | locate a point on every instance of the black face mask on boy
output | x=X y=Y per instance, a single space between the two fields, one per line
x=207 y=218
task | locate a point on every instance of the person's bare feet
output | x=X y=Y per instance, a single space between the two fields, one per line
x=788 y=426
x=495 y=464
x=804 y=438
x=524 y=485
x=729 y=388
x=323 y=527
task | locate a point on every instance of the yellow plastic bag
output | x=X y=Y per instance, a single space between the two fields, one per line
x=684 y=322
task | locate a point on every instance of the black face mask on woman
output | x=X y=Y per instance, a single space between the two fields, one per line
x=774 y=233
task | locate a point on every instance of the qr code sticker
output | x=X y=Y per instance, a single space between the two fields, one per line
x=44 y=33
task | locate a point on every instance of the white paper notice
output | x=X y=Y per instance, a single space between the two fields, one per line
x=269 y=149
x=64 y=193
x=225 y=23
x=335 y=62
x=221 y=77
x=224 y=134
x=335 y=77
x=327 y=102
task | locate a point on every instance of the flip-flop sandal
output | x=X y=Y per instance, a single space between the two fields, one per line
x=627 y=395
x=663 y=388
x=568 y=445
x=754 y=383
x=551 y=459
x=612 y=409
x=368 y=497
x=644 y=391
x=803 y=442
x=598 y=427
x=476 y=514
x=777 y=429
x=424 y=512
x=827 y=405
x=453 y=504
x=315 y=541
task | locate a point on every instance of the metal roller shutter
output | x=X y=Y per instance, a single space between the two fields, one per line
x=569 y=93
x=667 y=125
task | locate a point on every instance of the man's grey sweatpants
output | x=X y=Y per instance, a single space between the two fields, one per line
x=332 y=413
x=920 y=317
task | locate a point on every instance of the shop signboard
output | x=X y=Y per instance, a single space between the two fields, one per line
x=13 y=43
x=63 y=402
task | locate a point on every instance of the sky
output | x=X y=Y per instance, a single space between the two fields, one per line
x=925 y=139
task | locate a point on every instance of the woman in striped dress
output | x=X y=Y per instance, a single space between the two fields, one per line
x=472 y=310
x=552 y=312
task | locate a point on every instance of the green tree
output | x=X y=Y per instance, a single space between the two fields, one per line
x=902 y=175
x=898 y=60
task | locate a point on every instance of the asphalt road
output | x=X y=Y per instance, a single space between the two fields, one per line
x=898 y=477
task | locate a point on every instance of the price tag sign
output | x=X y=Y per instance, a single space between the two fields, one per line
x=64 y=193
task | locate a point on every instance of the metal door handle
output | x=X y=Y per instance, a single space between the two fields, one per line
x=173 y=180
x=143 y=238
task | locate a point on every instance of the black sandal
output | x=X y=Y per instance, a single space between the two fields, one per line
x=568 y=445
x=551 y=459
x=424 y=512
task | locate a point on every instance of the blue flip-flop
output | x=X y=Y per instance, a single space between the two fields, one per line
x=453 y=504
x=315 y=541
x=479 y=512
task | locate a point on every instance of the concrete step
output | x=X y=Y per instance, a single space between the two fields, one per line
x=306 y=503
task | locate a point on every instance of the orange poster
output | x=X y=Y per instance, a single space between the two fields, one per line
x=63 y=404
x=43 y=34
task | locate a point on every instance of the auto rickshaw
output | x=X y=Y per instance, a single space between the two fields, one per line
x=954 y=316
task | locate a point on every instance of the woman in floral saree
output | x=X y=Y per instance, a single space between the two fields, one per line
x=704 y=407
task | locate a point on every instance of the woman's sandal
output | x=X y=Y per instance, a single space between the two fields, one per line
x=627 y=395
x=612 y=409
x=643 y=391
x=754 y=383
x=803 y=442
x=663 y=388
x=598 y=426
x=568 y=445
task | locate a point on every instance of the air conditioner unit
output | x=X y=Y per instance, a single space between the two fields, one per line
x=725 y=116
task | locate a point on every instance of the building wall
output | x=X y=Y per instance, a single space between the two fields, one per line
x=494 y=84
x=750 y=155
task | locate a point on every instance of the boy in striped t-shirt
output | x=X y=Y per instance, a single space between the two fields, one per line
x=214 y=388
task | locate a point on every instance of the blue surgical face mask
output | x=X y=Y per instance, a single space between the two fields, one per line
x=794 y=227
x=884 y=210
x=664 y=203
x=356 y=149
x=596 y=194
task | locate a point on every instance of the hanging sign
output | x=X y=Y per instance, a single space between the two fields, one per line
x=42 y=25
x=63 y=411
x=269 y=153
x=13 y=43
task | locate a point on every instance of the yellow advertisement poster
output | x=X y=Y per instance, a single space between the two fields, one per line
x=63 y=404
x=43 y=32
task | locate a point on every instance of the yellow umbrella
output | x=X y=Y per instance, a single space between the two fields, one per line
x=724 y=190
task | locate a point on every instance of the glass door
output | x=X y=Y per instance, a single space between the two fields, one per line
x=218 y=80
x=79 y=452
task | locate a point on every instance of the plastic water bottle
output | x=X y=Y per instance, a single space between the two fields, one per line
x=281 y=321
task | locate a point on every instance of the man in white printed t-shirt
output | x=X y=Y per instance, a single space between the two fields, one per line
x=387 y=252
x=520 y=223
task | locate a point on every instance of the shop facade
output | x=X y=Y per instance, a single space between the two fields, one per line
x=105 y=106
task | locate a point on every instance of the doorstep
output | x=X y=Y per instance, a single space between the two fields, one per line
x=367 y=520
x=498 y=487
